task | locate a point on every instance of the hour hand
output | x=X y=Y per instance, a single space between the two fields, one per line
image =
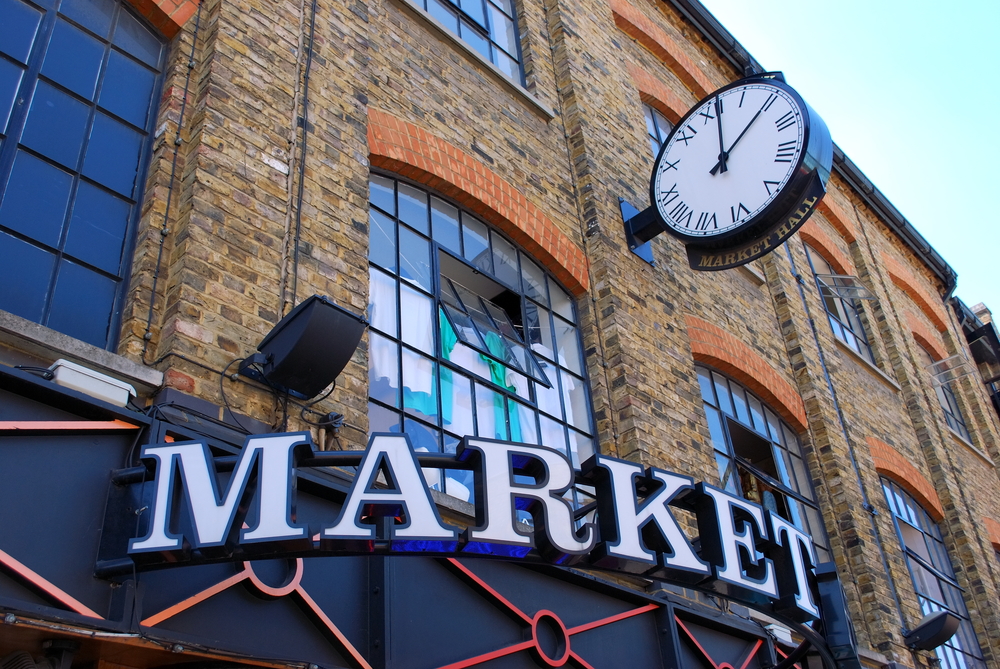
x=723 y=155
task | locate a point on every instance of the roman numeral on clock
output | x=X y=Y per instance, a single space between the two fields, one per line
x=682 y=214
x=667 y=165
x=685 y=137
x=705 y=220
x=768 y=184
x=786 y=121
x=669 y=196
x=739 y=212
x=708 y=116
x=786 y=150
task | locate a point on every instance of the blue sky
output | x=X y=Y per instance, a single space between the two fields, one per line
x=910 y=92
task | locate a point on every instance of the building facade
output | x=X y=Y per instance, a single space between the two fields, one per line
x=177 y=176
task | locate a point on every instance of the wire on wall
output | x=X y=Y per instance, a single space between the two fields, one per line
x=165 y=225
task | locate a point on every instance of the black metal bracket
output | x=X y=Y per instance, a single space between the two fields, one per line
x=640 y=227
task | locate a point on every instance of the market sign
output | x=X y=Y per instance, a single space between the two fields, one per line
x=190 y=511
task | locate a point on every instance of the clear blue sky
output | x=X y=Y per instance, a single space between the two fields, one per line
x=911 y=93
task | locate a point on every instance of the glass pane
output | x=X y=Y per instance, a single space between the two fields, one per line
x=137 y=40
x=447 y=17
x=773 y=426
x=382 y=240
x=505 y=261
x=491 y=419
x=505 y=5
x=113 y=155
x=463 y=328
x=575 y=401
x=803 y=485
x=538 y=330
x=476 y=39
x=97 y=228
x=523 y=423
x=562 y=303
x=415 y=259
x=383 y=369
x=470 y=360
x=382 y=302
x=95 y=15
x=456 y=403
x=722 y=393
x=36 y=198
x=569 y=346
x=581 y=448
x=650 y=124
x=381 y=419
x=380 y=193
x=417 y=314
x=474 y=8
x=413 y=208
x=419 y=385
x=507 y=65
x=25 y=271
x=82 y=304
x=56 y=125
x=791 y=441
x=553 y=434
x=757 y=413
x=477 y=246
x=502 y=31
x=73 y=59
x=10 y=80
x=444 y=223
x=705 y=381
x=549 y=399
x=17 y=31
x=127 y=89
x=716 y=430
x=458 y=483
x=502 y=321
x=726 y=474
x=424 y=439
x=533 y=281
x=740 y=402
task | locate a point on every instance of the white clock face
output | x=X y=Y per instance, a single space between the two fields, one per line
x=728 y=160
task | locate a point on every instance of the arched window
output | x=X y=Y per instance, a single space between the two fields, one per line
x=657 y=128
x=843 y=313
x=468 y=336
x=79 y=82
x=946 y=398
x=758 y=455
x=932 y=575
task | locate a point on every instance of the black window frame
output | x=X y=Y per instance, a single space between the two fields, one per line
x=854 y=336
x=485 y=30
x=11 y=147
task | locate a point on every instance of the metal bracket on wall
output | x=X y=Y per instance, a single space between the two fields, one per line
x=640 y=227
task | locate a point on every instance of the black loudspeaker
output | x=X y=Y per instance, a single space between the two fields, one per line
x=933 y=630
x=308 y=348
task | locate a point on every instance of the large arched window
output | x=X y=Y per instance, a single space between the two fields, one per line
x=468 y=336
x=758 y=455
x=79 y=82
x=933 y=577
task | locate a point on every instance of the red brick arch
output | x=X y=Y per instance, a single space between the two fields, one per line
x=410 y=151
x=927 y=337
x=928 y=303
x=993 y=530
x=893 y=465
x=814 y=236
x=717 y=348
x=168 y=16
x=654 y=93
x=838 y=218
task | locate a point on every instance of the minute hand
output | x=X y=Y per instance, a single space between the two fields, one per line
x=726 y=153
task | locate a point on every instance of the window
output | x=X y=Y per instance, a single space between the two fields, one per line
x=657 y=128
x=79 y=80
x=932 y=575
x=843 y=313
x=758 y=455
x=468 y=336
x=946 y=398
x=488 y=26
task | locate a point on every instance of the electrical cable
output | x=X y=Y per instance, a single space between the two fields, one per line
x=43 y=372
x=164 y=228
x=222 y=391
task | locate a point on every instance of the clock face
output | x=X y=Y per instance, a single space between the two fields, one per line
x=728 y=159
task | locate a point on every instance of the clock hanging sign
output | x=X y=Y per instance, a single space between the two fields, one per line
x=739 y=174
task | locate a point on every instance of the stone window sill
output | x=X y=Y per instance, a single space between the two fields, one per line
x=41 y=345
x=970 y=446
x=871 y=368
x=537 y=105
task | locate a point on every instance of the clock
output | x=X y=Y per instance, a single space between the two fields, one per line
x=739 y=166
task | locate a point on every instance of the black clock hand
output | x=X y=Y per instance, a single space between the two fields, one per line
x=723 y=155
x=721 y=162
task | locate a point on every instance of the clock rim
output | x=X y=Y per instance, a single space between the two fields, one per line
x=778 y=205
